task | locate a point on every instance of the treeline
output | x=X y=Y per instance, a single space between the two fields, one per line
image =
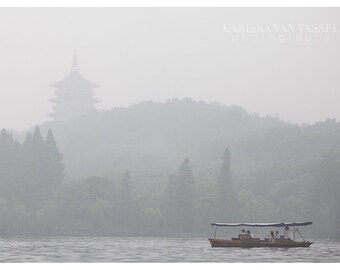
x=183 y=203
x=36 y=200
x=271 y=171
x=30 y=172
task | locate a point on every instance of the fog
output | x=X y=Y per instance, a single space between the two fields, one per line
x=138 y=54
x=160 y=121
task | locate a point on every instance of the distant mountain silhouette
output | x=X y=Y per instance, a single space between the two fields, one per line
x=152 y=137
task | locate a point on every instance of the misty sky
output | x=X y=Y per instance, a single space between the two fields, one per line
x=138 y=54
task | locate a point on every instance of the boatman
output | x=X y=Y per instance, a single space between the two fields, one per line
x=287 y=233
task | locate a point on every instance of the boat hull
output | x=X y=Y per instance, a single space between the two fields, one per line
x=256 y=242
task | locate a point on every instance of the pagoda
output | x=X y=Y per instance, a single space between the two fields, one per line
x=74 y=96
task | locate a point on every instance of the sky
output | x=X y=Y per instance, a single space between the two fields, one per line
x=263 y=59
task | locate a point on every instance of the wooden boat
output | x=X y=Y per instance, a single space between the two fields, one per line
x=248 y=242
x=257 y=242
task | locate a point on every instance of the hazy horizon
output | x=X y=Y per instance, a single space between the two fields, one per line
x=138 y=54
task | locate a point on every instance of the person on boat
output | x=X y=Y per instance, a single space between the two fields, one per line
x=287 y=233
x=271 y=236
x=277 y=235
x=249 y=235
x=242 y=234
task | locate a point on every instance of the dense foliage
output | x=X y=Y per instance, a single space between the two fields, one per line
x=189 y=164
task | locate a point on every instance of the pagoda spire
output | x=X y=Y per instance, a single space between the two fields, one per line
x=75 y=58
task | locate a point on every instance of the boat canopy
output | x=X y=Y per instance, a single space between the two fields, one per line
x=277 y=224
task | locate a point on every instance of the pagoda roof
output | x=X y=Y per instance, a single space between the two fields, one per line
x=74 y=79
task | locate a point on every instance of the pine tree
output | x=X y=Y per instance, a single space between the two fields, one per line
x=32 y=186
x=224 y=190
x=185 y=190
x=178 y=207
x=9 y=150
x=41 y=168
x=53 y=162
x=37 y=140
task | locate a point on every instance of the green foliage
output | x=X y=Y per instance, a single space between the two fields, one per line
x=225 y=196
x=15 y=220
x=125 y=204
x=278 y=172
x=84 y=207
x=179 y=207
x=29 y=176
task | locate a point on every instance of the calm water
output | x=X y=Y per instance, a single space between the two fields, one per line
x=111 y=249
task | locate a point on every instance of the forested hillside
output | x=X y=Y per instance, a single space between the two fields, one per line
x=152 y=137
x=169 y=169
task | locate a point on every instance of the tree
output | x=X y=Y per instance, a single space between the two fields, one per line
x=170 y=206
x=186 y=196
x=224 y=191
x=33 y=185
x=324 y=201
x=40 y=169
x=53 y=162
x=9 y=151
x=124 y=203
x=180 y=199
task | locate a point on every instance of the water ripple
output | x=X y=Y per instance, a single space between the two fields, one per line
x=114 y=249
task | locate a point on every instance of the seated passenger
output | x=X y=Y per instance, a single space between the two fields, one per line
x=242 y=234
x=249 y=235
x=277 y=235
x=271 y=236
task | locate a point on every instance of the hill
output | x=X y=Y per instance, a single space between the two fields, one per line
x=152 y=137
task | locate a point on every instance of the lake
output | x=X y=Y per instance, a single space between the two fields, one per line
x=154 y=249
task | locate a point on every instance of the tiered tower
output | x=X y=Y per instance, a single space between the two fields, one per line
x=74 y=96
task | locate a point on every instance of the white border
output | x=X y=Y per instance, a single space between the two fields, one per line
x=169 y=3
